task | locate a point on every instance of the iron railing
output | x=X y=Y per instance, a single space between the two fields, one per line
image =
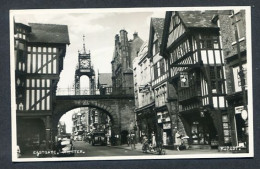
x=101 y=91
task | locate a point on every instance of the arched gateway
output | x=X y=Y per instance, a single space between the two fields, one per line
x=120 y=109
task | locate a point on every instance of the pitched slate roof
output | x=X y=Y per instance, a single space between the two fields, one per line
x=105 y=79
x=49 y=33
x=197 y=19
x=158 y=24
x=134 y=49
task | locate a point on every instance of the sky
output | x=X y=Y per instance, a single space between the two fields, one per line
x=67 y=119
x=99 y=28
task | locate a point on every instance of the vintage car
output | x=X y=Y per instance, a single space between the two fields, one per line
x=66 y=148
x=98 y=138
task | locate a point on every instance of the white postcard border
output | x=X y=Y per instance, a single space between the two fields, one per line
x=114 y=10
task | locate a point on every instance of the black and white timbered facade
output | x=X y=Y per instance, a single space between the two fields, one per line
x=191 y=45
x=39 y=52
x=164 y=93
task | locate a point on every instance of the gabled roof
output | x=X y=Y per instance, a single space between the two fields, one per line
x=105 y=79
x=197 y=19
x=48 y=33
x=158 y=24
x=156 y=27
x=191 y=19
x=143 y=50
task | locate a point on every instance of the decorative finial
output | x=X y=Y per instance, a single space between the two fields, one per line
x=84 y=49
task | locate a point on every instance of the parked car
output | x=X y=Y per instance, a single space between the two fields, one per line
x=65 y=148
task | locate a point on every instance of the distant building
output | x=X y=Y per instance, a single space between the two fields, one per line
x=79 y=124
x=105 y=83
x=61 y=129
x=122 y=63
x=38 y=63
x=101 y=122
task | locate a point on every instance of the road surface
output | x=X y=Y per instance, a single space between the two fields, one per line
x=87 y=150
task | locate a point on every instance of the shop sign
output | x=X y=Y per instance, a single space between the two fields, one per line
x=167 y=126
x=239 y=109
x=166 y=116
x=244 y=114
x=168 y=119
x=184 y=78
x=159 y=117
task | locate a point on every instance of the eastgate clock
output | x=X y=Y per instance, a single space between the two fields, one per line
x=84 y=63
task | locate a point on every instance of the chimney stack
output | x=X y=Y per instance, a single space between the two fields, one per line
x=135 y=35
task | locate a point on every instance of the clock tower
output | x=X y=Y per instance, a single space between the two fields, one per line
x=84 y=67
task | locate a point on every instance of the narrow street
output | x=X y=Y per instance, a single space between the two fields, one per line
x=97 y=150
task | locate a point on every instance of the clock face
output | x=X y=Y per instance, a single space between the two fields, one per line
x=84 y=63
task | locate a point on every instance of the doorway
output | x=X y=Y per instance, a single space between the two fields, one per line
x=202 y=129
x=124 y=134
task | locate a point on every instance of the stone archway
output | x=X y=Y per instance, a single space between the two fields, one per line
x=61 y=110
x=119 y=108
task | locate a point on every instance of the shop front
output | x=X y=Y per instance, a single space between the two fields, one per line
x=239 y=126
x=164 y=124
x=238 y=116
x=146 y=123
x=200 y=128
x=27 y=138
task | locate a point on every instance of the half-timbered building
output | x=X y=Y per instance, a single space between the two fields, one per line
x=164 y=93
x=191 y=45
x=39 y=52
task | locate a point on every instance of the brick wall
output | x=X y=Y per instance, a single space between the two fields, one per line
x=227 y=33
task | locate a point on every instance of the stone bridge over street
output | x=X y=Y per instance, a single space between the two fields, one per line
x=120 y=109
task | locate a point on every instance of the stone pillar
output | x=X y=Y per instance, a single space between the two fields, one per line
x=77 y=85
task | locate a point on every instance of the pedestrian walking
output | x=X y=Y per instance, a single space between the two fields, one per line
x=59 y=146
x=132 y=140
x=128 y=140
x=145 y=142
x=153 y=143
x=178 y=140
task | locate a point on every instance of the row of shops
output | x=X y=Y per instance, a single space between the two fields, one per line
x=192 y=86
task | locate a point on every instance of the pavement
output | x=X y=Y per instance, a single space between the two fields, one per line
x=138 y=147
